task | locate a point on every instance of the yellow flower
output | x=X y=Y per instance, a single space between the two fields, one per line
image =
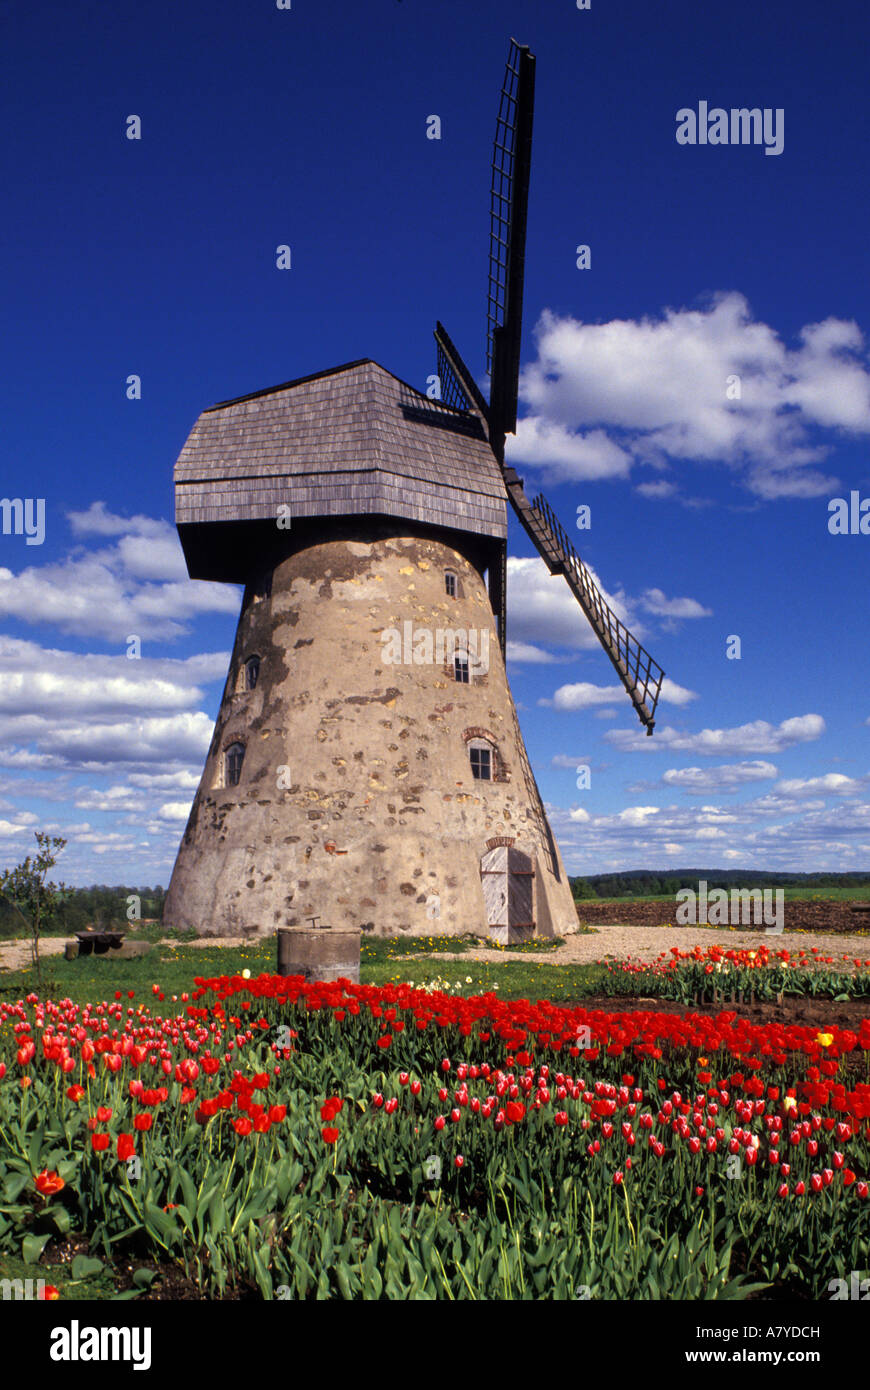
x=825 y=1039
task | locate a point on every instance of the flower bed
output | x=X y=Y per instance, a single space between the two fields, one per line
x=714 y=974
x=341 y=1140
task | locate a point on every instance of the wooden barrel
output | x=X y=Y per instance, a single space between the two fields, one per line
x=320 y=953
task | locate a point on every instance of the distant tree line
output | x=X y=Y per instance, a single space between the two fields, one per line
x=642 y=883
x=100 y=906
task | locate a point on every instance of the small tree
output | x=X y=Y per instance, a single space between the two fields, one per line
x=36 y=899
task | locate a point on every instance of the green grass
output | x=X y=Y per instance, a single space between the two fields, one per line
x=92 y=978
x=379 y=950
x=831 y=895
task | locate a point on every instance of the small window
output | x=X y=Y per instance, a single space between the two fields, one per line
x=460 y=669
x=252 y=671
x=450 y=584
x=481 y=763
x=233 y=759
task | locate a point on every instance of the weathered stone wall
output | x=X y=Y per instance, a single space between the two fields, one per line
x=356 y=800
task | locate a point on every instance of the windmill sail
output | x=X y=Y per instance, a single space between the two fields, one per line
x=508 y=204
x=641 y=676
x=458 y=387
x=639 y=673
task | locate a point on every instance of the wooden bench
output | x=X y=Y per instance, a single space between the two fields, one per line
x=98 y=941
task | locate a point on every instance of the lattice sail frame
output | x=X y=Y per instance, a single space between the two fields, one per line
x=639 y=673
x=452 y=391
x=504 y=152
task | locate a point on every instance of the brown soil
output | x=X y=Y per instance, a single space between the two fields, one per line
x=170 y=1284
x=799 y=915
x=795 y=1011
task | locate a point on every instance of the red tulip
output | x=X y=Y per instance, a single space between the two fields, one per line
x=459 y=1160
x=440 y=1122
x=561 y=1117
x=391 y=1106
x=377 y=1100
x=142 y=1122
x=800 y=1189
x=100 y=1142
x=49 y=1182
x=126 y=1147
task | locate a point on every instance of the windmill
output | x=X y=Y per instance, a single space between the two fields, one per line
x=367 y=764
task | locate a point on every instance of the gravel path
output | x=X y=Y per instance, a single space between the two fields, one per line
x=646 y=943
x=15 y=955
x=617 y=942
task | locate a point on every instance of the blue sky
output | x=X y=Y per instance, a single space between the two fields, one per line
x=709 y=515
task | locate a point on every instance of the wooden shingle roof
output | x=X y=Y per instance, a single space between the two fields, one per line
x=353 y=440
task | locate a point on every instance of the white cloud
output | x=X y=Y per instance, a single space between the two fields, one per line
x=659 y=386
x=673 y=694
x=756 y=737
x=583 y=695
x=830 y=784
x=660 y=489
x=96 y=521
x=136 y=587
x=527 y=653
x=565 y=455
x=766 y=833
x=727 y=777
x=654 y=601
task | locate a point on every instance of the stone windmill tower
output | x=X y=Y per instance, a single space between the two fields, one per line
x=367 y=764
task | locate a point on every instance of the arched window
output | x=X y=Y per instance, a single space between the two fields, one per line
x=252 y=671
x=481 y=755
x=450 y=583
x=233 y=758
x=460 y=668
